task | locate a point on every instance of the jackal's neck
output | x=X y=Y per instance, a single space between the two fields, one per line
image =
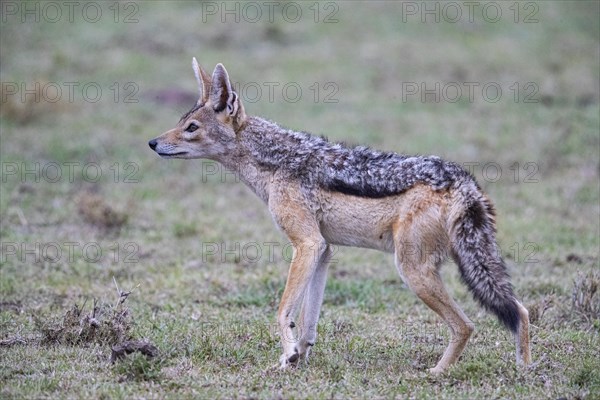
x=248 y=159
x=272 y=147
x=263 y=149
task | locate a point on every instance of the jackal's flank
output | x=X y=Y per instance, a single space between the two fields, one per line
x=321 y=193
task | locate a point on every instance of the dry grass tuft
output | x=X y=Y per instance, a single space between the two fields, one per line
x=539 y=308
x=585 y=296
x=103 y=324
x=95 y=210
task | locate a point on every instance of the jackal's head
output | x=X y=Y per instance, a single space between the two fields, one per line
x=209 y=129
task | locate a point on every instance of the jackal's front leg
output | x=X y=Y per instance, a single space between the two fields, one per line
x=311 y=306
x=306 y=257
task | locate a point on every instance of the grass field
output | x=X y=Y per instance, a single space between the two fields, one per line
x=84 y=203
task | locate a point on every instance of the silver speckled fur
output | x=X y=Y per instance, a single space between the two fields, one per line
x=361 y=171
x=321 y=194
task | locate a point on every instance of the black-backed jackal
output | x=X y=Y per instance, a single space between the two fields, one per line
x=321 y=193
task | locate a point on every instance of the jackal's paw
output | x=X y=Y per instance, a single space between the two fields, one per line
x=304 y=351
x=436 y=371
x=288 y=360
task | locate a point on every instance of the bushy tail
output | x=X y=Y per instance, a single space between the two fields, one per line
x=474 y=249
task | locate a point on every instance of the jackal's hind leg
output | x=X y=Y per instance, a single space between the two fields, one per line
x=522 y=337
x=425 y=282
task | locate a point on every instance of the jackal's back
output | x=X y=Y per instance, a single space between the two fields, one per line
x=359 y=171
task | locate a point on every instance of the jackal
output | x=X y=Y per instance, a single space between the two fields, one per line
x=322 y=193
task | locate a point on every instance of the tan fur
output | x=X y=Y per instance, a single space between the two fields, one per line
x=413 y=225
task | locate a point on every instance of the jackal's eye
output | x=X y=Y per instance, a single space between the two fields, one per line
x=191 y=127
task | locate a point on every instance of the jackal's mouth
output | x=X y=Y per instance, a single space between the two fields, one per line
x=181 y=153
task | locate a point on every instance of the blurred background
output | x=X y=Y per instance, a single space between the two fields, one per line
x=508 y=89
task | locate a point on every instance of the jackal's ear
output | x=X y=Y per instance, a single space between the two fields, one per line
x=203 y=82
x=222 y=95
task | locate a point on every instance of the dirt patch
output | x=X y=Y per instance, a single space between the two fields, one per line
x=120 y=350
x=13 y=306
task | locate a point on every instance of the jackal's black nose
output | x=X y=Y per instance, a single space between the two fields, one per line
x=153 y=144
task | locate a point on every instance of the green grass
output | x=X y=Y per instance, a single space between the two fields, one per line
x=206 y=298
